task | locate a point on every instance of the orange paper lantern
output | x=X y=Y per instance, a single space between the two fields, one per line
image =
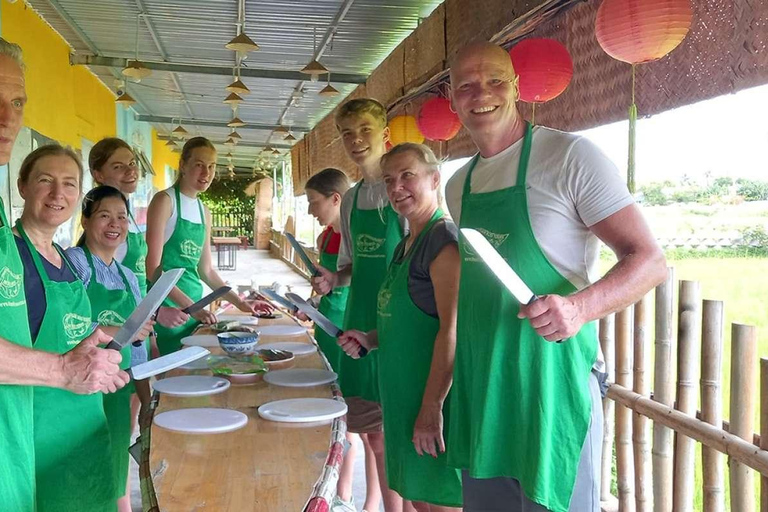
x=638 y=31
x=544 y=67
x=404 y=129
x=436 y=120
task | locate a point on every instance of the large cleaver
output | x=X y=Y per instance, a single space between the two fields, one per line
x=303 y=255
x=320 y=319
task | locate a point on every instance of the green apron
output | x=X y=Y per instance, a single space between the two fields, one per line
x=406 y=345
x=182 y=250
x=136 y=257
x=374 y=237
x=73 y=467
x=520 y=404
x=17 y=452
x=332 y=306
x=112 y=308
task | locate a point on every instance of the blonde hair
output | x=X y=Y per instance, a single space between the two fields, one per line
x=423 y=153
x=361 y=106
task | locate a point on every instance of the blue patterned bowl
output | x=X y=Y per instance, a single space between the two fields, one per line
x=238 y=343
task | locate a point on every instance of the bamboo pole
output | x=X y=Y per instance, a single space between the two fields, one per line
x=736 y=448
x=624 y=463
x=764 y=429
x=664 y=393
x=607 y=343
x=711 y=405
x=688 y=332
x=640 y=424
x=743 y=391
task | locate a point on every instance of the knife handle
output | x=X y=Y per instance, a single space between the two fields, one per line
x=113 y=345
x=535 y=298
x=362 y=352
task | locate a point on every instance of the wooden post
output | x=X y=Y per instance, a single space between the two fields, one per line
x=664 y=393
x=624 y=463
x=640 y=424
x=743 y=391
x=763 y=429
x=711 y=404
x=688 y=333
x=607 y=343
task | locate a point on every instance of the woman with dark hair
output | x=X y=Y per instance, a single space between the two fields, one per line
x=114 y=292
x=178 y=236
x=73 y=463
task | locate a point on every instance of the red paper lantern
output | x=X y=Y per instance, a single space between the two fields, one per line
x=436 y=120
x=638 y=31
x=544 y=67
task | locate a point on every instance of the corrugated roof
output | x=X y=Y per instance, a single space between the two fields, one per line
x=359 y=35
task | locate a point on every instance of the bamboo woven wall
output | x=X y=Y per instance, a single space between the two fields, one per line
x=725 y=51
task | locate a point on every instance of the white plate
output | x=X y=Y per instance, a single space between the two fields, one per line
x=282 y=330
x=300 y=377
x=201 y=340
x=191 y=385
x=297 y=348
x=243 y=319
x=303 y=410
x=201 y=420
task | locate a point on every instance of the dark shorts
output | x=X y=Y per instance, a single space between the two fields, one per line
x=363 y=416
x=505 y=494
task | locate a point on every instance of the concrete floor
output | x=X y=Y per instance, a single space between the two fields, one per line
x=254 y=269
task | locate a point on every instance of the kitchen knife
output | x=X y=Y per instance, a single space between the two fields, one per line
x=197 y=306
x=273 y=295
x=303 y=255
x=499 y=267
x=320 y=319
x=146 y=308
x=167 y=362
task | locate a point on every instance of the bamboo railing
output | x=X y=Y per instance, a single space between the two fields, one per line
x=656 y=473
x=280 y=248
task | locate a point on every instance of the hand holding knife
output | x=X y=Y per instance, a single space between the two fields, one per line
x=320 y=319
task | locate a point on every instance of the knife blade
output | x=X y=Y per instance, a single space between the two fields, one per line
x=215 y=294
x=167 y=362
x=146 y=308
x=320 y=319
x=499 y=266
x=303 y=255
x=274 y=296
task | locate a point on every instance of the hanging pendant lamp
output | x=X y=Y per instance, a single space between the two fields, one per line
x=281 y=129
x=135 y=68
x=235 y=136
x=290 y=138
x=233 y=99
x=314 y=69
x=242 y=43
x=125 y=99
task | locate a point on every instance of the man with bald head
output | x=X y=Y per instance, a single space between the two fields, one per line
x=86 y=369
x=526 y=417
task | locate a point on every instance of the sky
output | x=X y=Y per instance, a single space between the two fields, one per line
x=726 y=135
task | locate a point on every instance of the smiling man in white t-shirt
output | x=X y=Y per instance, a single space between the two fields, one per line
x=526 y=416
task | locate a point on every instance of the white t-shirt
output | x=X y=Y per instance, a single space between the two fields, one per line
x=571 y=185
x=189 y=211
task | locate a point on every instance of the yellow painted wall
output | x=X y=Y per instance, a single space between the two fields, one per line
x=66 y=102
x=162 y=156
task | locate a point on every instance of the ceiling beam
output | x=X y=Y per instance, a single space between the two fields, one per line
x=274 y=74
x=215 y=124
x=242 y=144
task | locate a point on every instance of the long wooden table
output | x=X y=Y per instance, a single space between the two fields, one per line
x=265 y=466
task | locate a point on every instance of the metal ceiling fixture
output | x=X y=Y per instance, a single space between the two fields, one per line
x=328 y=90
x=314 y=69
x=180 y=132
x=135 y=69
x=234 y=135
x=233 y=99
x=241 y=43
x=290 y=138
x=238 y=87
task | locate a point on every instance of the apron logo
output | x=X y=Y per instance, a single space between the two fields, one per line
x=110 y=318
x=76 y=326
x=10 y=284
x=383 y=300
x=141 y=262
x=495 y=239
x=368 y=244
x=191 y=250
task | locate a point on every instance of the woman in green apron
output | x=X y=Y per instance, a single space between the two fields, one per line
x=73 y=463
x=416 y=334
x=114 y=293
x=178 y=236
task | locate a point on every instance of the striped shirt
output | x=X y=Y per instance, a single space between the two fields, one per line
x=109 y=277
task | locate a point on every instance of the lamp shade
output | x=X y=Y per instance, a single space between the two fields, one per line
x=238 y=87
x=436 y=120
x=544 y=67
x=404 y=129
x=638 y=31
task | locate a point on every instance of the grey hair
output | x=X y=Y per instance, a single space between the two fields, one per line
x=13 y=51
x=424 y=155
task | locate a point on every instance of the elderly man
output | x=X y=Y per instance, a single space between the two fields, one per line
x=86 y=369
x=526 y=416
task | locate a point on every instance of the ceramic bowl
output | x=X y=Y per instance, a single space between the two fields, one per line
x=238 y=343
